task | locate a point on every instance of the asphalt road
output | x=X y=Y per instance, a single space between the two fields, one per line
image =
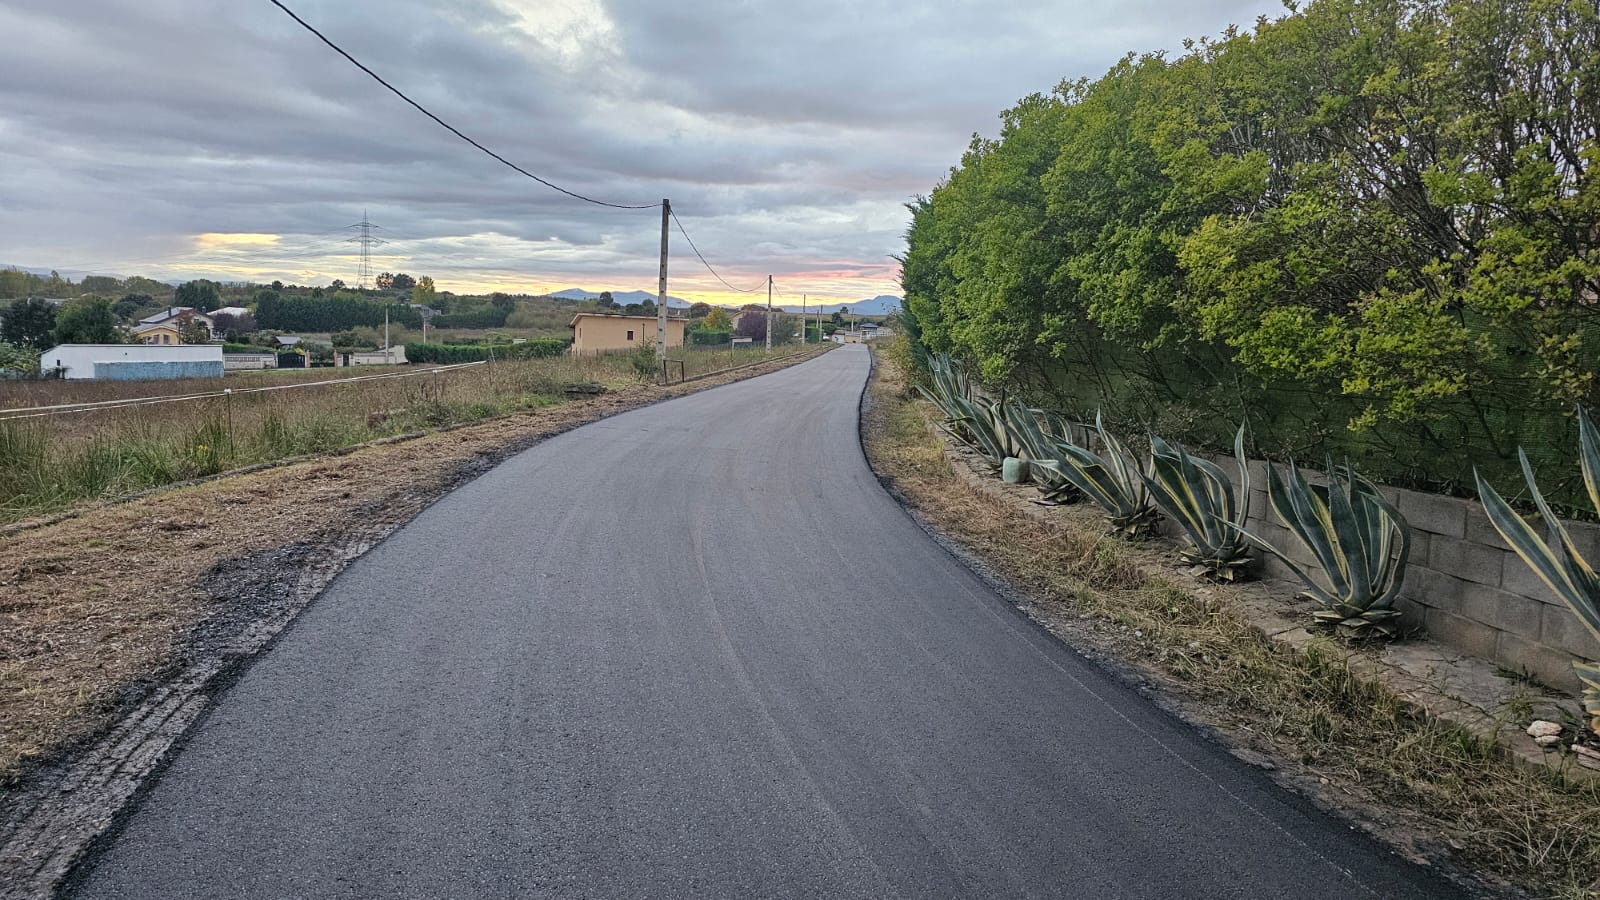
x=696 y=651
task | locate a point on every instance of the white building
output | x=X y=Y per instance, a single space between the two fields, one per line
x=392 y=357
x=133 y=362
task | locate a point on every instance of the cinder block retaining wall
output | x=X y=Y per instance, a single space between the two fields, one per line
x=1463 y=586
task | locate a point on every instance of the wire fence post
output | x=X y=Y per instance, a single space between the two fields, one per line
x=227 y=402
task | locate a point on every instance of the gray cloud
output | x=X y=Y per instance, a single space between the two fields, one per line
x=788 y=134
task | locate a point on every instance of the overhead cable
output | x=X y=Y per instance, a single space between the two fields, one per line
x=446 y=125
x=703 y=262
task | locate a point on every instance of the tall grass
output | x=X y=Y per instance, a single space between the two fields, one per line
x=51 y=463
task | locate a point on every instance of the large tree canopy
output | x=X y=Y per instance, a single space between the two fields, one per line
x=1370 y=227
x=29 y=323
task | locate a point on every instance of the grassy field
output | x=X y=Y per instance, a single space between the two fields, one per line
x=51 y=463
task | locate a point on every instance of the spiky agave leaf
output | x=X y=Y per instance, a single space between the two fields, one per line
x=1354 y=534
x=948 y=385
x=1037 y=444
x=1556 y=559
x=1114 y=481
x=1198 y=495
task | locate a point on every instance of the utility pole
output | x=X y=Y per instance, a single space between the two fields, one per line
x=661 y=293
x=769 y=313
x=386 y=357
x=803 y=310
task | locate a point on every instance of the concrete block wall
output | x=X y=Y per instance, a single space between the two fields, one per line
x=1464 y=586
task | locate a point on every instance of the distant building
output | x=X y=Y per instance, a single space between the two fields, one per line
x=240 y=362
x=163 y=333
x=132 y=362
x=175 y=318
x=394 y=356
x=595 y=333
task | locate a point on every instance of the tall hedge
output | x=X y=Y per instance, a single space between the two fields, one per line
x=1370 y=228
x=460 y=353
x=340 y=312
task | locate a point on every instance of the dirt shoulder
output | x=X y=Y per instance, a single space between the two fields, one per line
x=119 y=623
x=1432 y=790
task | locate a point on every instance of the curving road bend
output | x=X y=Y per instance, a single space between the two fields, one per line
x=696 y=651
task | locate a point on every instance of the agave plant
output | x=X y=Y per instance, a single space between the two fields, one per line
x=1360 y=540
x=1038 y=444
x=987 y=423
x=1555 y=560
x=949 y=388
x=980 y=422
x=1198 y=495
x=1114 y=480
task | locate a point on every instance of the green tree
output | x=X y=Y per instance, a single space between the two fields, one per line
x=422 y=292
x=131 y=304
x=86 y=320
x=195 y=332
x=138 y=284
x=718 y=320
x=29 y=323
x=13 y=284
x=402 y=282
x=202 y=295
x=102 y=285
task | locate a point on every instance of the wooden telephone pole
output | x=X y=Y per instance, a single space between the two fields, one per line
x=661 y=293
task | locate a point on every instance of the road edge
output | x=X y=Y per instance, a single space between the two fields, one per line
x=61 y=811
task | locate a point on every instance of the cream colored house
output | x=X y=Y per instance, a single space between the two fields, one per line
x=164 y=334
x=595 y=333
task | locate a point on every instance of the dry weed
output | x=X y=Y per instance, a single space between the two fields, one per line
x=1309 y=712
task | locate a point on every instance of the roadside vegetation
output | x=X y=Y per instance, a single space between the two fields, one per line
x=1370 y=230
x=1429 y=787
x=50 y=463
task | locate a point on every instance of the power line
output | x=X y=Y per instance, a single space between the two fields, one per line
x=446 y=125
x=708 y=265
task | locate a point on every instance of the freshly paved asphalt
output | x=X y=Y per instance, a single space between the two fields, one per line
x=696 y=651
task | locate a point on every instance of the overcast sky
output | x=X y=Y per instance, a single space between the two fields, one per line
x=188 y=138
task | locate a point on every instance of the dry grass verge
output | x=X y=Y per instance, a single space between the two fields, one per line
x=95 y=606
x=71 y=457
x=1430 y=788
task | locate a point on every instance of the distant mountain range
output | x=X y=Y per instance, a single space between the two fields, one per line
x=881 y=305
x=623 y=298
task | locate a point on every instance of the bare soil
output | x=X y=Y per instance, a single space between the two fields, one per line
x=119 y=623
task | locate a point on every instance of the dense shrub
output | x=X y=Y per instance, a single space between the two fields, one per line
x=341 y=312
x=1370 y=228
x=710 y=337
x=460 y=353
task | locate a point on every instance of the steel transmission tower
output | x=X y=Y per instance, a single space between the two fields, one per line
x=367 y=241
